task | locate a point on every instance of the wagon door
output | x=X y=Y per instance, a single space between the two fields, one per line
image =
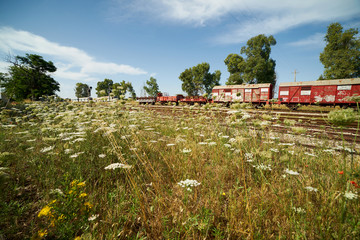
x=227 y=95
x=323 y=94
x=294 y=94
x=247 y=94
x=343 y=91
x=305 y=93
x=237 y=95
x=264 y=94
x=255 y=95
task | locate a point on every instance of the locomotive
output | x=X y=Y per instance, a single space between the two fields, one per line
x=323 y=92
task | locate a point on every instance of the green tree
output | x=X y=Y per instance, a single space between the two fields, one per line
x=104 y=87
x=131 y=90
x=197 y=80
x=341 y=55
x=120 y=89
x=152 y=88
x=29 y=77
x=82 y=90
x=258 y=67
x=236 y=67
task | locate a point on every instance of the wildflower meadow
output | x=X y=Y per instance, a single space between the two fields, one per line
x=118 y=171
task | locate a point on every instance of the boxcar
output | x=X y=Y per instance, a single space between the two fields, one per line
x=252 y=93
x=325 y=92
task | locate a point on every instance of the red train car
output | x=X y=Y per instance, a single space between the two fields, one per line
x=194 y=99
x=251 y=93
x=169 y=99
x=325 y=92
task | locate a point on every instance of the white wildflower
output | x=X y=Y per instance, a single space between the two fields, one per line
x=76 y=155
x=263 y=167
x=274 y=150
x=227 y=145
x=102 y=155
x=188 y=183
x=202 y=143
x=298 y=210
x=311 y=189
x=350 y=195
x=93 y=217
x=56 y=191
x=249 y=157
x=170 y=144
x=310 y=154
x=47 y=149
x=68 y=150
x=291 y=172
x=232 y=140
x=212 y=143
x=185 y=150
x=117 y=165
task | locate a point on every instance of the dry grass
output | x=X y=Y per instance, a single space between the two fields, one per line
x=251 y=185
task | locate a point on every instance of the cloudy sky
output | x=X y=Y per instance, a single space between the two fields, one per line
x=133 y=40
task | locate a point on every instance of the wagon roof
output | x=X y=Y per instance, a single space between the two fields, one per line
x=347 y=81
x=244 y=86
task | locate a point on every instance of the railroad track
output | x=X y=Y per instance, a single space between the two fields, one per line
x=285 y=122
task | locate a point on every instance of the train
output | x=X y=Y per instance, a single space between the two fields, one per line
x=322 y=92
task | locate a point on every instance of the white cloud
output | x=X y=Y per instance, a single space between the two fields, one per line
x=68 y=58
x=316 y=40
x=268 y=17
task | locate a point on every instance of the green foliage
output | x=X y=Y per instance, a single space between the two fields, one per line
x=29 y=78
x=236 y=67
x=104 y=87
x=341 y=55
x=67 y=216
x=120 y=89
x=197 y=80
x=258 y=67
x=152 y=88
x=82 y=90
x=342 y=117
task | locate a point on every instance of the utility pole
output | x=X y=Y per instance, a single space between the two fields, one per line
x=295 y=75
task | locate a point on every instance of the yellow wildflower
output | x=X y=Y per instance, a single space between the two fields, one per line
x=45 y=211
x=52 y=202
x=42 y=233
x=83 y=195
x=87 y=204
x=81 y=184
x=77 y=238
x=62 y=216
x=73 y=183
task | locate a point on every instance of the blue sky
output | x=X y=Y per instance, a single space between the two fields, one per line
x=133 y=40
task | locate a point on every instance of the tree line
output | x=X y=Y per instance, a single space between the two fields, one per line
x=29 y=76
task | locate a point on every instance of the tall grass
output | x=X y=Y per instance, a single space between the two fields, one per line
x=241 y=181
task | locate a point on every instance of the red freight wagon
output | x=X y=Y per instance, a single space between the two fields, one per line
x=254 y=93
x=167 y=99
x=323 y=92
x=194 y=99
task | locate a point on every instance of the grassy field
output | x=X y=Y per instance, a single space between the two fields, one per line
x=115 y=171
